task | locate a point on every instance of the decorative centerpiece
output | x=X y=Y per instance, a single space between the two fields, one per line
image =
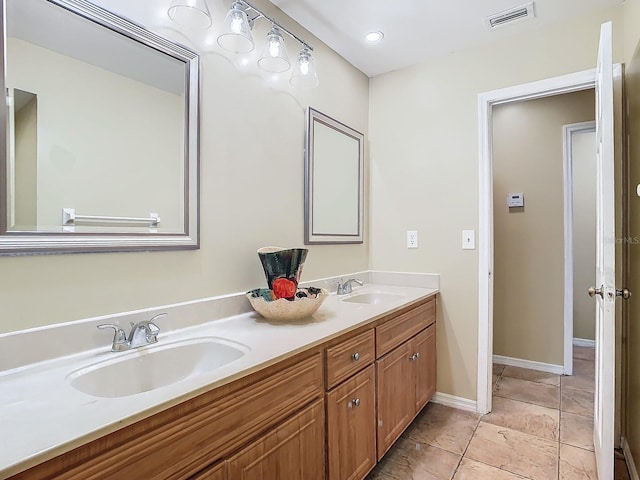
x=283 y=300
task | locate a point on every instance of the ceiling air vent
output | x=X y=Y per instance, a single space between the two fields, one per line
x=508 y=17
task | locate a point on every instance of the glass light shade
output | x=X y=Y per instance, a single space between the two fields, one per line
x=304 y=72
x=236 y=32
x=190 y=13
x=274 y=57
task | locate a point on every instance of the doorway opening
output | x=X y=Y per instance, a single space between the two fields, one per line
x=579 y=147
x=533 y=305
x=486 y=102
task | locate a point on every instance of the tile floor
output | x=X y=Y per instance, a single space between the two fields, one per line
x=541 y=428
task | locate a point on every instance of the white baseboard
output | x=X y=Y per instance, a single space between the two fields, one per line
x=455 y=402
x=530 y=364
x=631 y=466
x=583 y=342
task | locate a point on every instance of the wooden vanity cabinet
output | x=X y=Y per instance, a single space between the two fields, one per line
x=401 y=327
x=302 y=418
x=406 y=376
x=395 y=393
x=351 y=407
x=349 y=356
x=294 y=449
x=424 y=346
x=351 y=434
x=183 y=440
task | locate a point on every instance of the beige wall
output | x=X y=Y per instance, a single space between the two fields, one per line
x=424 y=163
x=528 y=303
x=251 y=189
x=584 y=233
x=631 y=429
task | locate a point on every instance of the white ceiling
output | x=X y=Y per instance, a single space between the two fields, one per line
x=416 y=30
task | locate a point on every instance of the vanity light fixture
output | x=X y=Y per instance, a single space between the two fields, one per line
x=190 y=13
x=374 y=37
x=236 y=37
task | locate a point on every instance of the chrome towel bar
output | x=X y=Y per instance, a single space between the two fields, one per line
x=69 y=217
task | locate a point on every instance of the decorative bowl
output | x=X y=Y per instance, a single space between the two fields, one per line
x=283 y=309
x=278 y=262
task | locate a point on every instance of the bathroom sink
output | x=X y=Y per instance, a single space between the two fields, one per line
x=373 y=298
x=145 y=369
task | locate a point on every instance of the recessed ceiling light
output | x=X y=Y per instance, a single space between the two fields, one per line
x=374 y=36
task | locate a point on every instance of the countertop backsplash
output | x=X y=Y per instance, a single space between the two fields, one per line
x=69 y=338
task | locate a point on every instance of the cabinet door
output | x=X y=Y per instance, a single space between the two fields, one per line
x=422 y=349
x=351 y=433
x=293 y=450
x=396 y=394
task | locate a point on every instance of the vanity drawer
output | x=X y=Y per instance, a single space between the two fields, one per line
x=396 y=331
x=349 y=357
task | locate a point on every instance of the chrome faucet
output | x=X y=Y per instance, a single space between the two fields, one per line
x=141 y=334
x=345 y=287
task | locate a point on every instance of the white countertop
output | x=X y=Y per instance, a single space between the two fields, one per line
x=42 y=416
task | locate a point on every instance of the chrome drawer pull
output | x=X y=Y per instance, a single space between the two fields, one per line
x=355 y=357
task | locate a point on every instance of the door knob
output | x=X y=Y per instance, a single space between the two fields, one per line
x=593 y=291
x=624 y=293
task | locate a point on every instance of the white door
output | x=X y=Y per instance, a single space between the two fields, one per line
x=604 y=415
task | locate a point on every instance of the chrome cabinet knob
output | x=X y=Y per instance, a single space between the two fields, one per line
x=355 y=402
x=414 y=357
x=355 y=357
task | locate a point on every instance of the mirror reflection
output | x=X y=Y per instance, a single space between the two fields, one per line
x=98 y=124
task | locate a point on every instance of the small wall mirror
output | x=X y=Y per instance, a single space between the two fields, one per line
x=334 y=181
x=99 y=140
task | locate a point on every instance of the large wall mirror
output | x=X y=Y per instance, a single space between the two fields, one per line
x=334 y=181
x=99 y=140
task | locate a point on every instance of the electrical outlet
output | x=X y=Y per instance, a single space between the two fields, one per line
x=412 y=239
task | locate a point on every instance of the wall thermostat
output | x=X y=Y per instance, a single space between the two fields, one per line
x=515 y=200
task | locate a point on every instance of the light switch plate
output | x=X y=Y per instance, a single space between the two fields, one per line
x=468 y=239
